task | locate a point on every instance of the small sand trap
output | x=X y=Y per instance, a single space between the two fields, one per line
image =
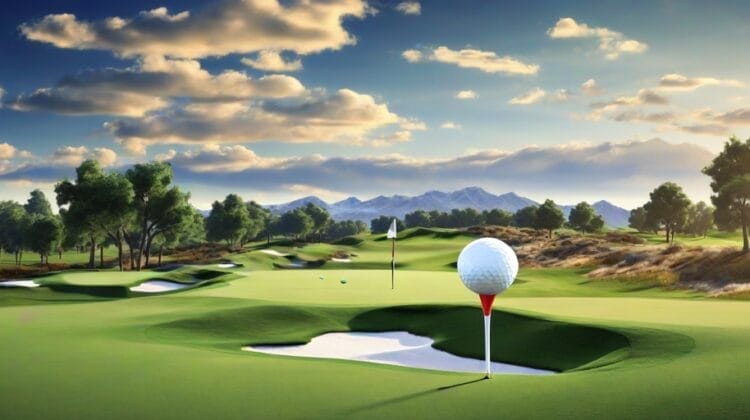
x=341 y=260
x=274 y=253
x=392 y=348
x=227 y=265
x=19 y=283
x=157 y=286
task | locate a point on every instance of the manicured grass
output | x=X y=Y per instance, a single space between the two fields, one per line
x=714 y=238
x=626 y=349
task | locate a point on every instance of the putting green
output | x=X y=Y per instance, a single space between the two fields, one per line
x=626 y=349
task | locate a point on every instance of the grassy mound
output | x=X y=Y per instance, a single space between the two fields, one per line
x=558 y=345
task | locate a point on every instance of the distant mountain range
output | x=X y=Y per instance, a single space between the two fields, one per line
x=473 y=197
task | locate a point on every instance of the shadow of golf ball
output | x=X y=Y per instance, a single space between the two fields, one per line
x=343 y=281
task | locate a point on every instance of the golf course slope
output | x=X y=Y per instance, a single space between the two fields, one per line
x=621 y=349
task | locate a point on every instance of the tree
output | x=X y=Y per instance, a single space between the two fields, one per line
x=596 y=224
x=417 y=218
x=158 y=206
x=344 y=228
x=296 y=222
x=727 y=171
x=497 y=217
x=525 y=217
x=43 y=233
x=99 y=205
x=638 y=220
x=13 y=219
x=668 y=206
x=320 y=218
x=258 y=220
x=580 y=216
x=228 y=220
x=700 y=219
x=37 y=205
x=465 y=217
x=81 y=214
x=381 y=224
x=549 y=217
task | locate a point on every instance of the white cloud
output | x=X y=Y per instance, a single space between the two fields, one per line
x=467 y=94
x=486 y=61
x=675 y=81
x=533 y=96
x=561 y=95
x=450 y=125
x=221 y=28
x=8 y=151
x=73 y=156
x=409 y=7
x=272 y=61
x=611 y=43
x=150 y=86
x=412 y=56
x=215 y=158
x=344 y=117
x=590 y=88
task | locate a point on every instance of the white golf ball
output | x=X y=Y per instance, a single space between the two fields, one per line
x=487 y=266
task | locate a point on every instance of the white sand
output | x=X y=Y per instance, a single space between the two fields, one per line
x=392 y=348
x=19 y=283
x=157 y=286
x=226 y=265
x=341 y=260
x=273 y=252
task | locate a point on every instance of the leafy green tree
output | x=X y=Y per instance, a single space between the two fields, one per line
x=344 y=228
x=700 y=219
x=596 y=224
x=13 y=219
x=668 y=206
x=580 y=216
x=525 y=217
x=381 y=224
x=259 y=217
x=549 y=217
x=228 y=220
x=320 y=217
x=497 y=217
x=99 y=204
x=465 y=218
x=296 y=223
x=37 y=205
x=638 y=220
x=727 y=171
x=82 y=212
x=417 y=218
x=158 y=205
x=43 y=234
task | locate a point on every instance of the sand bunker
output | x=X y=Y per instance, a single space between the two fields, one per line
x=392 y=348
x=274 y=253
x=158 y=286
x=341 y=260
x=19 y=283
x=227 y=265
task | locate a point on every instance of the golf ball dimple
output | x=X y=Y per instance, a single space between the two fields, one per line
x=487 y=266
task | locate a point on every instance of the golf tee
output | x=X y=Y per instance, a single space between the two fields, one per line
x=487 y=345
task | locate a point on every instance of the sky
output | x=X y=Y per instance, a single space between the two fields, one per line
x=279 y=99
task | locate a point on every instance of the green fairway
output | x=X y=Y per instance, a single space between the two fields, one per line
x=624 y=349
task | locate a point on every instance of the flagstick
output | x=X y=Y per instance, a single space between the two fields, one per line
x=393 y=261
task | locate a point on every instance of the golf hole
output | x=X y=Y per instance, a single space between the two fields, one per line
x=398 y=348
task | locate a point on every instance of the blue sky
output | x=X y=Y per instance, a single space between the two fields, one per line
x=338 y=98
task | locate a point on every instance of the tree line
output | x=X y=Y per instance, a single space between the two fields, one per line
x=237 y=222
x=669 y=209
x=547 y=216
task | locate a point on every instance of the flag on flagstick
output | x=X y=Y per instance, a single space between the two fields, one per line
x=392 y=236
